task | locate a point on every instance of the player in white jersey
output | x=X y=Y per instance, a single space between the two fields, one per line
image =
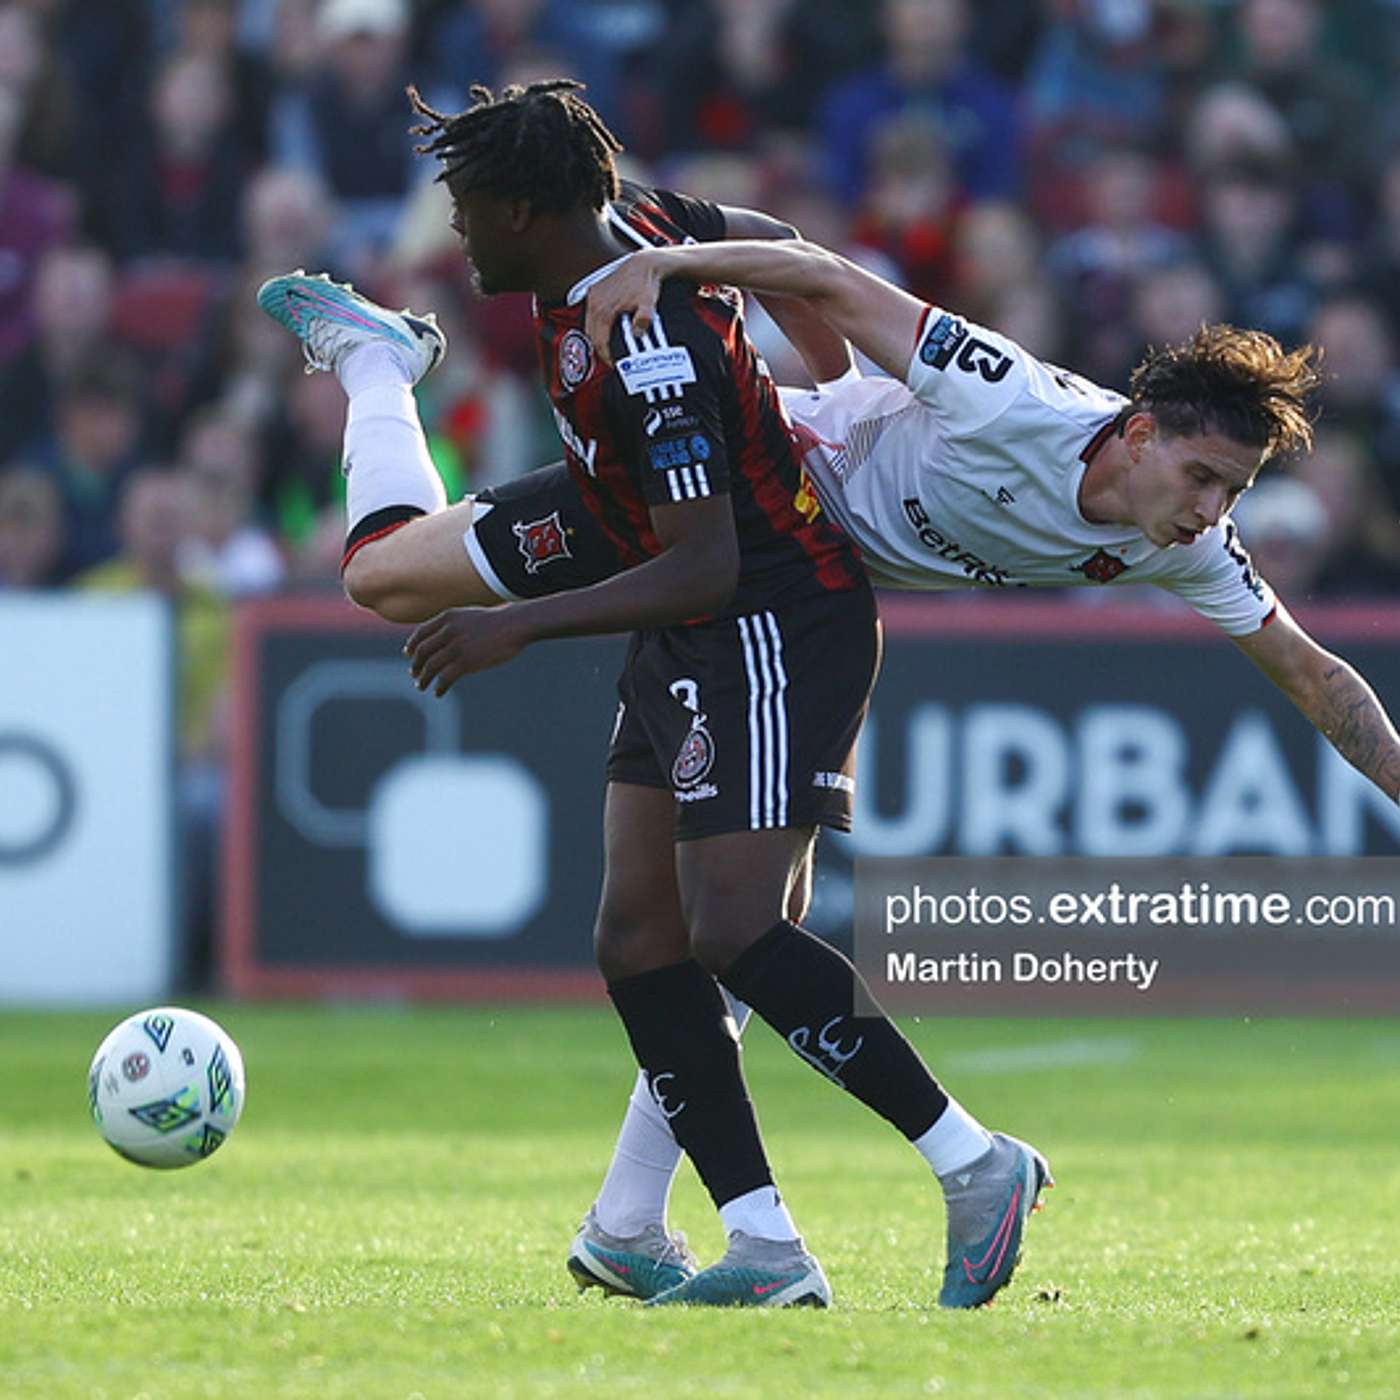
x=976 y=482
x=979 y=465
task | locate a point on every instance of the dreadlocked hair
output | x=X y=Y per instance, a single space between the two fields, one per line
x=543 y=143
x=1240 y=384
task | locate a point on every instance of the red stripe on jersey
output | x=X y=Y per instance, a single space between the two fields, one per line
x=769 y=460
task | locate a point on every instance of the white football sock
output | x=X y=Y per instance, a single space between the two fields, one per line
x=386 y=461
x=638 y=1183
x=760 y=1213
x=955 y=1140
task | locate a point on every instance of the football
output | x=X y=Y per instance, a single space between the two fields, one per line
x=166 y=1087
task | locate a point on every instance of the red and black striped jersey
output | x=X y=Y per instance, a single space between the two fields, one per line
x=687 y=411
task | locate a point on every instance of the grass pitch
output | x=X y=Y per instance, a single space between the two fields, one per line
x=391 y=1218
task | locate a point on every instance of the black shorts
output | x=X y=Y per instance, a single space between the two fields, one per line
x=534 y=536
x=751 y=722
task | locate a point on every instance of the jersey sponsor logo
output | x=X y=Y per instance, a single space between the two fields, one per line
x=703 y=793
x=671 y=417
x=805 y=502
x=541 y=541
x=575 y=359
x=949 y=342
x=587 y=453
x=1100 y=567
x=975 y=567
x=679 y=452
x=666 y=368
x=942 y=341
x=1236 y=550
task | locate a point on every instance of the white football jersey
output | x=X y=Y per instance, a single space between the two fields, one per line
x=967 y=474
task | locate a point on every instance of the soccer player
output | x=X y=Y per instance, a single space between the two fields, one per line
x=978 y=464
x=736 y=734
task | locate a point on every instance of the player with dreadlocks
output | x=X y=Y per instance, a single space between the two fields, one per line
x=735 y=736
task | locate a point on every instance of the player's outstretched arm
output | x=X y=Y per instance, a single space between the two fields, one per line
x=823 y=349
x=874 y=315
x=1332 y=694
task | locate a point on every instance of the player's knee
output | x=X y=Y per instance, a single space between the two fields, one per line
x=715 y=944
x=372 y=580
x=627 y=944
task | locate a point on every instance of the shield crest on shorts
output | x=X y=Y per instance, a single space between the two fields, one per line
x=541 y=541
x=695 y=758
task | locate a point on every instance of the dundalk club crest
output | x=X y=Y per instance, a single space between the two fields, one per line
x=542 y=541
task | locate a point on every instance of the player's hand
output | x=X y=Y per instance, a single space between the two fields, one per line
x=631 y=290
x=459 y=642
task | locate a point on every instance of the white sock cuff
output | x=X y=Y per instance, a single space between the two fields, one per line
x=759 y=1213
x=374 y=363
x=955 y=1140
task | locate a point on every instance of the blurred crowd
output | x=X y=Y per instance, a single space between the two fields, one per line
x=1089 y=176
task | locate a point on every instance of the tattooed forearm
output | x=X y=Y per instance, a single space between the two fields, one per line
x=1346 y=710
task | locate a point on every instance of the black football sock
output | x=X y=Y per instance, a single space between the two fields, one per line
x=806 y=991
x=682 y=1036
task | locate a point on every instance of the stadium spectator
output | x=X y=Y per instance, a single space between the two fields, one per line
x=226 y=549
x=929 y=72
x=210 y=28
x=185 y=177
x=31 y=529
x=303 y=445
x=995 y=253
x=153 y=525
x=96 y=445
x=1361 y=393
x=1286 y=526
x=1379 y=265
x=72 y=321
x=485 y=39
x=287 y=218
x=909 y=212
x=349 y=124
x=1096 y=79
x=1249 y=241
x=735 y=71
x=1321 y=99
x=35 y=214
x=1363 y=533
x=1097 y=268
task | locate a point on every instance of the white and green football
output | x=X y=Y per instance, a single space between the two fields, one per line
x=166 y=1087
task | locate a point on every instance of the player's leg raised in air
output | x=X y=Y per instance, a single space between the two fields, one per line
x=409 y=555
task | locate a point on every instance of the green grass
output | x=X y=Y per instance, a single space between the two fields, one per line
x=391 y=1218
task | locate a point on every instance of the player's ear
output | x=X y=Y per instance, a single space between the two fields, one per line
x=1138 y=432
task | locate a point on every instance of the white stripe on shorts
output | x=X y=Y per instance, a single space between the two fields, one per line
x=768 y=735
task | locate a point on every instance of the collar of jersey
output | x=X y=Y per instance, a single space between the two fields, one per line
x=580 y=288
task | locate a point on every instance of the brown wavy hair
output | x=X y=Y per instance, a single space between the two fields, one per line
x=1241 y=384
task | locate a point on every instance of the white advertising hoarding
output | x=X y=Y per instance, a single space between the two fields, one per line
x=86 y=753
